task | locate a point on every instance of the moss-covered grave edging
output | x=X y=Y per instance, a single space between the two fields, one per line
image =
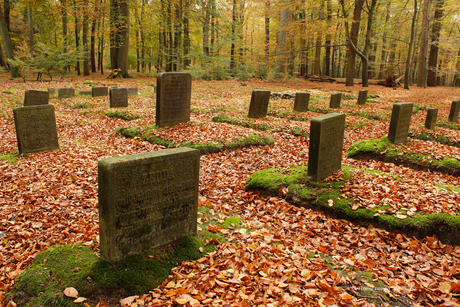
x=431 y=135
x=78 y=266
x=384 y=150
x=148 y=134
x=325 y=196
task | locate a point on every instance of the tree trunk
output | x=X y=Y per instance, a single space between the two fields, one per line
x=206 y=11
x=367 y=46
x=86 y=48
x=319 y=42
x=423 y=54
x=64 y=24
x=2 y=60
x=282 y=46
x=327 y=60
x=30 y=23
x=185 y=24
x=77 y=39
x=303 y=43
x=142 y=36
x=383 y=57
x=435 y=33
x=7 y=44
x=178 y=33
x=6 y=12
x=267 y=30
x=411 y=46
x=233 y=37
x=354 y=40
x=101 y=44
x=119 y=14
x=93 y=38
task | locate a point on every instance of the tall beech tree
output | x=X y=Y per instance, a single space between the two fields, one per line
x=119 y=36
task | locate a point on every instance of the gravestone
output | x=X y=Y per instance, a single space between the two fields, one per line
x=85 y=93
x=301 y=102
x=259 y=104
x=147 y=200
x=35 y=128
x=362 y=97
x=326 y=145
x=173 y=98
x=36 y=98
x=431 y=116
x=454 y=110
x=52 y=91
x=400 y=122
x=335 y=100
x=118 y=98
x=132 y=91
x=98 y=91
x=66 y=92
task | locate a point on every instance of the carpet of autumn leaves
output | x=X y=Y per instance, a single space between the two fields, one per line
x=50 y=198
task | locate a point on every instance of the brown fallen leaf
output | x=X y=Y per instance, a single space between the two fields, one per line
x=71 y=292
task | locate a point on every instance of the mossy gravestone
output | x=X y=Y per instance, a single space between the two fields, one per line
x=99 y=91
x=67 y=92
x=301 y=102
x=400 y=122
x=362 y=97
x=35 y=128
x=118 y=97
x=258 y=106
x=326 y=145
x=454 y=110
x=85 y=93
x=36 y=98
x=335 y=100
x=431 y=116
x=173 y=98
x=132 y=91
x=147 y=200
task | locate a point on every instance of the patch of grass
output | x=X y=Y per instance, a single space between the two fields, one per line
x=417 y=108
x=196 y=110
x=8 y=92
x=348 y=96
x=373 y=96
x=449 y=125
x=9 y=158
x=121 y=115
x=429 y=135
x=81 y=105
x=384 y=147
x=222 y=118
x=317 y=195
x=78 y=266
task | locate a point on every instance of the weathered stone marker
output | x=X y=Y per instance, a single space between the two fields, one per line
x=85 y=93
x=66 y=92
x=259 y=104
x=118 y=98
x=326 y=145
x=147 y=200
x=36 y=98
x=335 y=100
x=132 y=91
x=431 y=116
x=454 y=110
x=362 y=97
x=98 y=91
x=35 y=128
x=301 y=102
x=400 y=122
x=173 y=98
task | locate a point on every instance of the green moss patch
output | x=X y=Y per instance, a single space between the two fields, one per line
x=325 y=196
x=121 y=114
x=430 y=135
x=148 y=134
x=78 y=266
x=383 y=149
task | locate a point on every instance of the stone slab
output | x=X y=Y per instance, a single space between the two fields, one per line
x=66 y=92
x=336 y=98
x=326 y=145
x=147 y=200
x=118 y=98
x=431 y=116
x=36 y=98
x=362 y=97
x=99 y=91
x=85 y=93
x=132 y=91
x=301 y=102
x=173 y=98
x=258 y=106
x=454 y=110
x=35 y=128
x=400 y=122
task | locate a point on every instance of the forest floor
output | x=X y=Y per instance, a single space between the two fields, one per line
x=50 y=198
